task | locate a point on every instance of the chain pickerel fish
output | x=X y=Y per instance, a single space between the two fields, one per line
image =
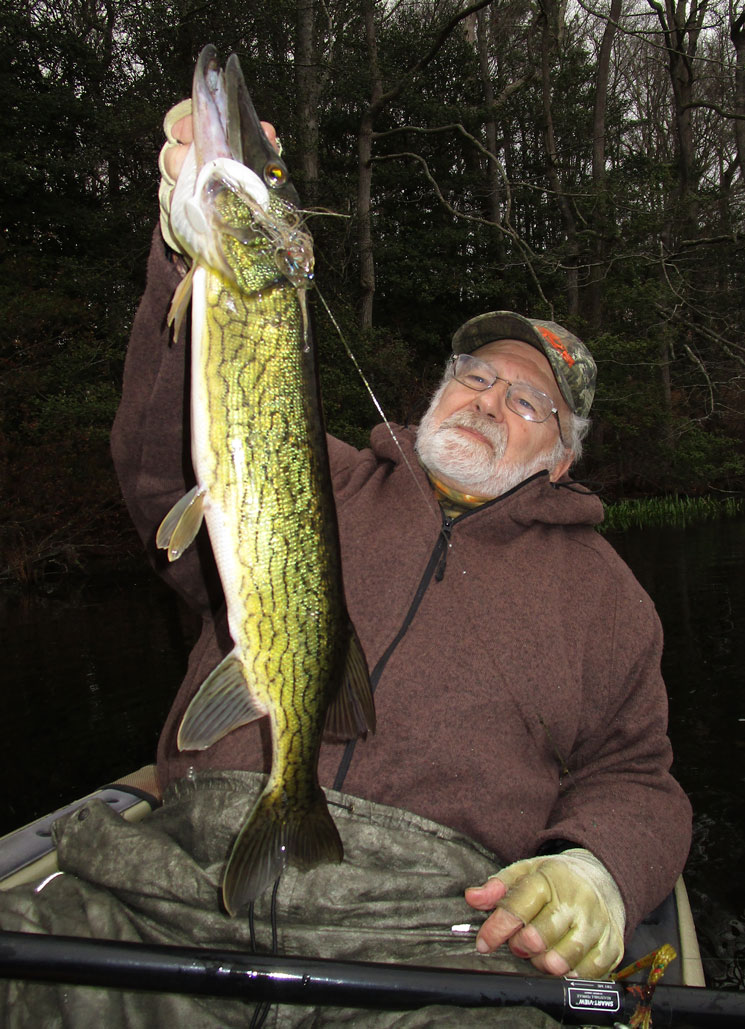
x=263 y=483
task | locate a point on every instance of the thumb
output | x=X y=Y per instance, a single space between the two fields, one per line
x=486 y=896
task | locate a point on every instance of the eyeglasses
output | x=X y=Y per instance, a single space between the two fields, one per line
x=524 y=400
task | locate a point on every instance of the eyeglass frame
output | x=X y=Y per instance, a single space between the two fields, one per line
x=453 y=360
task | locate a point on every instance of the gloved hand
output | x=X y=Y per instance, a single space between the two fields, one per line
x=170 y=159
x=179 y=131
x=563 y=912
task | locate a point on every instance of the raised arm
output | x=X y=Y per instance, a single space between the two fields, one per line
x=150 y=440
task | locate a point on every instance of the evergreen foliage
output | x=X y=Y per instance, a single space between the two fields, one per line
x=486 y=190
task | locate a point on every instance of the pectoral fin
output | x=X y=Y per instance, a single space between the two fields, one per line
x=352 y=711
x=181 y=524
x=180 y=302
x=223 y=703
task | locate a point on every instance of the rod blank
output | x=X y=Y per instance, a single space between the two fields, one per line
x=313 y=981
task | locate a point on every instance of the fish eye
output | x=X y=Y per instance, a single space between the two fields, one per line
x=274 y=175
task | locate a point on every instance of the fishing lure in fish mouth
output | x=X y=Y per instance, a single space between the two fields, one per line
x=263 y=482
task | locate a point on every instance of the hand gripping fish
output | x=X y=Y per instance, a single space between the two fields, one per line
x=263 y=483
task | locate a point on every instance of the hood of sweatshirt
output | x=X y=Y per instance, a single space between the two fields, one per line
x=537 y=500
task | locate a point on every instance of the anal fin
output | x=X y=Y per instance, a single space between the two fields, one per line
x=352 y=711
x=223 y=703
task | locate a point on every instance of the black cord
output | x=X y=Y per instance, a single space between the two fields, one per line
x=273 y=915
x=583 y=486
x=261 y=1010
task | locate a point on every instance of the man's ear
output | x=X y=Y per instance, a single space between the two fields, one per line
x=562 y=467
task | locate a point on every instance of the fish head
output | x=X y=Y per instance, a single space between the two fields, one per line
x=247 y=140
x=234 y=207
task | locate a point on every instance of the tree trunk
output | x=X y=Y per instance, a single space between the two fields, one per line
x=364 y=171
x=553 y=20
x=681 y=29
x=737 y=35
x=604 y=213
x=378 y=101
x=490 y=123
x=308 y=87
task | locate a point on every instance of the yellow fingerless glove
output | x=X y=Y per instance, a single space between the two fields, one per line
x=573 y=901
x=165 y=190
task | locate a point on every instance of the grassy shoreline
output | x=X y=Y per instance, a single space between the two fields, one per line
x=669 y=512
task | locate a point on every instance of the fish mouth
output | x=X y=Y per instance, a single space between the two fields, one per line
x=231 y=154
x=226 y=123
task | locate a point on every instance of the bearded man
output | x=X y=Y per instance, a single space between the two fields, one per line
x=514 y=657
x=465 y=439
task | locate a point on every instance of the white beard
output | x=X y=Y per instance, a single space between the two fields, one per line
x=470 y=465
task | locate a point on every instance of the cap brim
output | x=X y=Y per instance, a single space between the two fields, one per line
x=493 y=326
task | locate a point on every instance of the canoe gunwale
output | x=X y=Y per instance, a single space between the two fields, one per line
x=28 y=854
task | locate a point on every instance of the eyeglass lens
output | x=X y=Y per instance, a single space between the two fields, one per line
x=520 y=398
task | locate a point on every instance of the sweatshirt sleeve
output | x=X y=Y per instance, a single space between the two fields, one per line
x=620 y=800
x=150 y=440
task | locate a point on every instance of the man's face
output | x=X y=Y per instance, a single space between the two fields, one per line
x=471 y=441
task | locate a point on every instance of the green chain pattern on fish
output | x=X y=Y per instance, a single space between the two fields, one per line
x=263 y=484
x=285 y=561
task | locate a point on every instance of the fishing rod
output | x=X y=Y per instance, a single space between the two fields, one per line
x=315 y=981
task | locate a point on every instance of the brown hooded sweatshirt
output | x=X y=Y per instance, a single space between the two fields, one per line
x=515 y=658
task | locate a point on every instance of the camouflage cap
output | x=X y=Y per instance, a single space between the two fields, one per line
x=571 y=362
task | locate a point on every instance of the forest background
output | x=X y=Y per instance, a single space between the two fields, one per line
x=579 y=161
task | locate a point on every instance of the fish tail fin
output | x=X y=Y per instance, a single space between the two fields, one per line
x=274 y=838
x=352 y=711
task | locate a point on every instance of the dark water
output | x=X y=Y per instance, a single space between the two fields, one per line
x=89 y=677
x=696 y=578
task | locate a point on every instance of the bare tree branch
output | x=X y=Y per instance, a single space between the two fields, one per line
x=506 y=229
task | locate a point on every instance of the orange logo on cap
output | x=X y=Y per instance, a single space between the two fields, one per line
x=556 y=343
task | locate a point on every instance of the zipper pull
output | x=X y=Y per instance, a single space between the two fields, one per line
x=445 y=533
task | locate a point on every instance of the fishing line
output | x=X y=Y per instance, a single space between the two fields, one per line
x=428 y=500
x=259 y=1016
x=430 y=503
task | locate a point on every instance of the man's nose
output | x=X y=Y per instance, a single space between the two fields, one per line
x=491 y=402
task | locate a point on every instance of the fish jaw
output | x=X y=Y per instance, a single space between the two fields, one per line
x=230 y=151
x=209 y=103
x=226 y=123
x=195 y=219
